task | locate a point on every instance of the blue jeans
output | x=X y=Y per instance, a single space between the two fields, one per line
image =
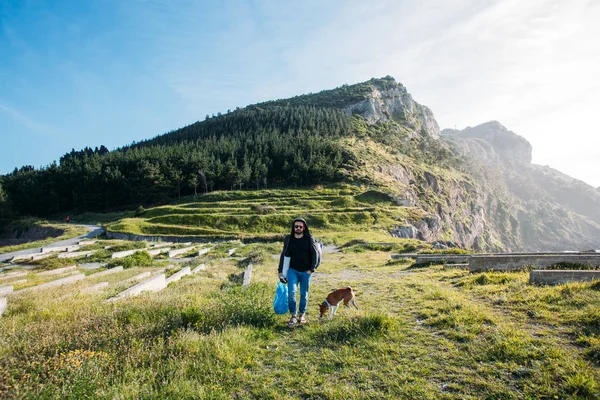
x=294 y=277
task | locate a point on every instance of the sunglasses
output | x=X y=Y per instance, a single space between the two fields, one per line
x=298 y=226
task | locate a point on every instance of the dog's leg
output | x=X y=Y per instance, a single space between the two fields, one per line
x=353 y=302
x=330 y=312
x=335 y=309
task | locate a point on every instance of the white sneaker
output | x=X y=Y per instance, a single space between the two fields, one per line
x=293 y=321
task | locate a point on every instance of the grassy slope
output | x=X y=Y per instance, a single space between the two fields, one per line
x=421 y=333
x=69 y=231
x=335 y=214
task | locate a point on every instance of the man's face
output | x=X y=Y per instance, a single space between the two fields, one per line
x=298 y=227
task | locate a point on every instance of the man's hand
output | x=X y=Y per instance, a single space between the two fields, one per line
x=282 y=278
x=310 y=271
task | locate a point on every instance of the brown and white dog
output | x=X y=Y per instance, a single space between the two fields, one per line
x=333 y=300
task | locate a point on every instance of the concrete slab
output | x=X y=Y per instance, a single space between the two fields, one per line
x=73 y=248
x=199 y=268
x=90 y=266
x=164 y=244
x=86 y=242
x=203 y=251
x=58 y=282
x=36 y=257
x=247 y=276
x=121 y=254
x=442 y=258
x=556 y=277
x=177 y=252
x=77 y=254
x=456 y=266
x=396 y=256
x=4 y=290
x=94 y=288
x=156 y=252
x=58 y=271
x=179 y=274
x=517 y=262
x=18 y=282
x=3 y=305
x=138 y=277
x=231 y=251
x=54 y=249
x=110 y=271
x=12 y=275
x=153 y=284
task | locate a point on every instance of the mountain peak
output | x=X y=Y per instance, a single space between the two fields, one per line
x=507 y=144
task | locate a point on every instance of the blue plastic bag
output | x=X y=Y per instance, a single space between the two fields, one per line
x=280 y=304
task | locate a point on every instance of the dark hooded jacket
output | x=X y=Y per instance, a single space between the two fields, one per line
x=313 y=246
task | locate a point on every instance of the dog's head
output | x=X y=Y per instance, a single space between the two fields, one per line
x=323 y=309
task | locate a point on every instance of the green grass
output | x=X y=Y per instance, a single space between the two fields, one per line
x=424 y=333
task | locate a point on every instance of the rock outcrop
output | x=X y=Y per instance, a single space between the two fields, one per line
x=396 y=104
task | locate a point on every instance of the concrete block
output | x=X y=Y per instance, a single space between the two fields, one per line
x=247 y=276
x=77 y=254
x=54 y=249
x=164 y=244
x=58 y=282
x=456 y=266
x=108 y=247
x=73 y=248
x=153 y=284
x=107 y=272
x=394 y=256
x=86 y=242
x=91 y=266
x=41 y=256
x=3 y=305
x=179 y=274
x=95 y=288
x=18 y=281
x=517 y=262
x=231 y=251
x=156 y=252
x=177 y=252
x=58 y=271
x=12 y=275
x=22 y=257
x=442 y=258
x=203 y=251
x=121 y=254
x=186 y=243
x=4 y=290
x=555 y=277
x=199 y=268
x=139 y=277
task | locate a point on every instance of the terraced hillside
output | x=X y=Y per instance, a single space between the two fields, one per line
x=335 y=214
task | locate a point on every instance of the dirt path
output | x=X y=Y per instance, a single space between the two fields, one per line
x=93 y=232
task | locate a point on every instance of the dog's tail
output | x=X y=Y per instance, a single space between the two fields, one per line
x=349 y=288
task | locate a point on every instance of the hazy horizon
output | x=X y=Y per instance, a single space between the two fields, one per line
x=109 y=73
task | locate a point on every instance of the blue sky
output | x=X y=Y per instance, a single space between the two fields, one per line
x=76 y=74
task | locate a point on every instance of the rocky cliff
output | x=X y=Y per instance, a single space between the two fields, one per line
x=476 y=187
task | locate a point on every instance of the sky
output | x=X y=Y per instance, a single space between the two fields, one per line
x=110 y=72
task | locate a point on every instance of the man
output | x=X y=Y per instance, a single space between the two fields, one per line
x=301 y=247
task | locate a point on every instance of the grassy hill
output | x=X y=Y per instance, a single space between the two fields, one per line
x=337 y=215
x=421 y=333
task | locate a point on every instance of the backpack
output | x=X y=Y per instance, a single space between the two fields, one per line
x=319 y=248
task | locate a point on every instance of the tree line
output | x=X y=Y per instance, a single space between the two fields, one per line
x=253 y=147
